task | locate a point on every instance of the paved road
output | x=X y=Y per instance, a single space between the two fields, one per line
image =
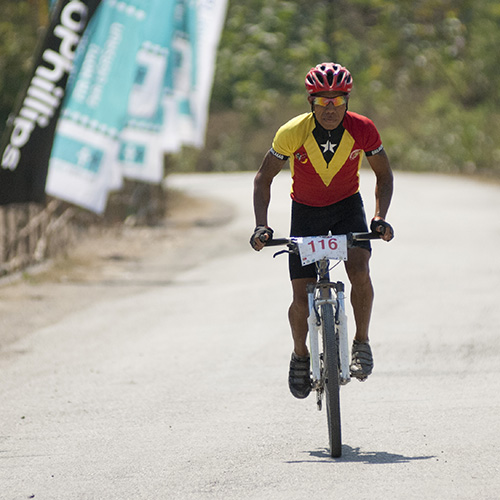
x=178 y=390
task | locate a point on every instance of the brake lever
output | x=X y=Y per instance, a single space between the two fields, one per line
x=280 y=252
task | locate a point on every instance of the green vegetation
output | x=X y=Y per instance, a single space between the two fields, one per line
x=426 y=71
x=20 y=22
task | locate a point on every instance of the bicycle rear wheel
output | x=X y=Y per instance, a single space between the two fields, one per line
x=331 y=379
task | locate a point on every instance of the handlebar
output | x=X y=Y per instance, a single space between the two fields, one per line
x=351 y=238
x=276 y=242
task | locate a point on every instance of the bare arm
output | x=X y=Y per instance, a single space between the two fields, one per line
x=270 y=168
x=384 y=185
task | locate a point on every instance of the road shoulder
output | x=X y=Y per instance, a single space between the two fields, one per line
x=119 y=261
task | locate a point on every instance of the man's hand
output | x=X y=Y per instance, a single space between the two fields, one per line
x=379 y=225
x=260 y=235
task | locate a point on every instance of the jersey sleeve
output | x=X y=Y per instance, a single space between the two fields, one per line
x=291 y=135
x=366 y=133
x=283 y=142
x=278 y=155
x=373 y=143
x=374 y=151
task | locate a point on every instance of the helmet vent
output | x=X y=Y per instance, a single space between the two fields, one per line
x=327 y=77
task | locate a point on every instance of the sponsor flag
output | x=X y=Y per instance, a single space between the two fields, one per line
x=141 y=140
x=139 y=88
x=190 y=46
x=211 y=16
x=83 y=165
x=27 y=141
x=153 y=93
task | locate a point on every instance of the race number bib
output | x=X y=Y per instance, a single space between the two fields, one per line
x=314 y=248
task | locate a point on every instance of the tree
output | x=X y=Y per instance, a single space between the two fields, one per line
x=425 y=71
x=20 y=25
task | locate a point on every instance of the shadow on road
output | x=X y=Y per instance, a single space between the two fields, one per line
x=350 y=454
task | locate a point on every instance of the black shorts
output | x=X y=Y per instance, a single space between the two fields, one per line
x=340 y=218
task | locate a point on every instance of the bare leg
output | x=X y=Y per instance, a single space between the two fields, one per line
x=358 y=271
x=297 y=315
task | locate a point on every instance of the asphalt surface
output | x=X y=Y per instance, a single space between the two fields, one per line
x=178 y=388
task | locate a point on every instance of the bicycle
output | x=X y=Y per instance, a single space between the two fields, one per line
x=329 y=366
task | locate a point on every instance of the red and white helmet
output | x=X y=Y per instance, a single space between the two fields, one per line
x=328 y=76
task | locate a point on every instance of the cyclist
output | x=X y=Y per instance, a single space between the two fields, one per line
x=325 y=147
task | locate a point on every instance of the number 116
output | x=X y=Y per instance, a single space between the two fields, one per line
x=332 y=244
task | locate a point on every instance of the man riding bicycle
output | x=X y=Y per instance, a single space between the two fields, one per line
x=326 y=148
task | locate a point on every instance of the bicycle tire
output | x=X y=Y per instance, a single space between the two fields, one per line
x=331 y=384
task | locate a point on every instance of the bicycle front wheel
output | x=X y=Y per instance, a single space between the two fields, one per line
x=331 y=379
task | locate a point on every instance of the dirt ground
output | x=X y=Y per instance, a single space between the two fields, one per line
x=118 y=261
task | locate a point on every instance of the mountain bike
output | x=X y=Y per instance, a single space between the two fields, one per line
x=327 y=318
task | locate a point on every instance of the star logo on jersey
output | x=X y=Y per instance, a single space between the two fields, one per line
x=328 y=147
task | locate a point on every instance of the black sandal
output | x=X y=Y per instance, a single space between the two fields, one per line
x=361 y=360
x=299 y=377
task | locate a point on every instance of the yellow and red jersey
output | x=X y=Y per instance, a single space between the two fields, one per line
x=325 y=172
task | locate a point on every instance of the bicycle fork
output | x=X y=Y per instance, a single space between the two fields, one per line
x=341 y=326
x=314 y=325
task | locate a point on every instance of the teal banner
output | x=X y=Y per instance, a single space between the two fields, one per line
x=140 y=87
